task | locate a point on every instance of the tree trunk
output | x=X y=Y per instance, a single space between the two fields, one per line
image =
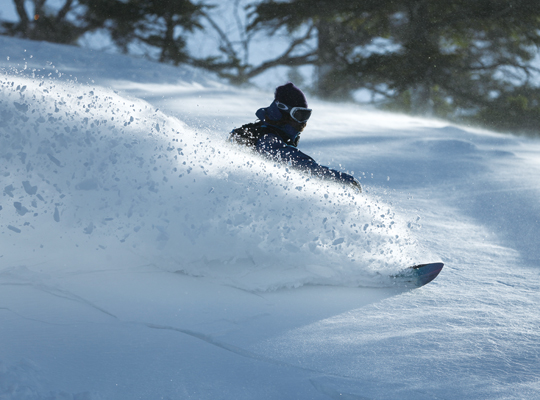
x=325 y=60
x=333 y=41
x=19 y=5
x=422 y=47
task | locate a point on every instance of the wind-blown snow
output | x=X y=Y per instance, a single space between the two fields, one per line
x=143 y=256
x=105 y=171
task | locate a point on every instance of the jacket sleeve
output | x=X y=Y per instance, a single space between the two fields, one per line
x=274 y=148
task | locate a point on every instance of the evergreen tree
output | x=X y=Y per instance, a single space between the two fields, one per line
x=155 y=26
x=45 y=23
x=458 y=59
x=233 y=60
x=341 y=26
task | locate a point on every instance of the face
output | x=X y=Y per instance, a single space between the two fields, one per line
x=301 y=126
x=297 y=114
x=287 y=120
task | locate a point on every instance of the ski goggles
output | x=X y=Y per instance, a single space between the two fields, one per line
x=299 y=114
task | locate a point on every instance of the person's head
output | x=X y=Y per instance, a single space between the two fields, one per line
x=288 y=108
x=290 y=95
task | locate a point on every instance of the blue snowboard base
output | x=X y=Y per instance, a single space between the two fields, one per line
x=419 y=275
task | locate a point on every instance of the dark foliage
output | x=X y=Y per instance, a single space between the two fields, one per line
x=233 y=61
x=467 y=61
x=460 y=59
x=45 y=24
x=158 y=25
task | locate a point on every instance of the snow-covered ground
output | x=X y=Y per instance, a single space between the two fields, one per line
x=143 y=257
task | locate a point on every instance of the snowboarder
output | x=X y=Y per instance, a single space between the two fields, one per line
x=277 y=132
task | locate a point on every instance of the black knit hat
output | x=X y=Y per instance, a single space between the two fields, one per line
x=290 y=95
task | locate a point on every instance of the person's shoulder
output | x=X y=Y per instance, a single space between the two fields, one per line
x=248 y=134
x=270 y=138
x=247 y=127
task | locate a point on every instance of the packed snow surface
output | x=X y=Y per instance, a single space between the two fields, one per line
x=142 y=256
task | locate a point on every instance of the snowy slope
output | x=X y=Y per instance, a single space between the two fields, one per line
x=144 y=257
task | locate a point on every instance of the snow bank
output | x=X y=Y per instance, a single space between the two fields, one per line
x=95 y=313
x=89 y=175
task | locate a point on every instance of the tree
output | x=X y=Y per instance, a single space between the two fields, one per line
x=453 y=56
x=339 y=28
x=156 y=27
x=46 y=23
x=455 y=59
x=236 y=40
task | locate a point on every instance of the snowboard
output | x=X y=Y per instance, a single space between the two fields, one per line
x=418 y=275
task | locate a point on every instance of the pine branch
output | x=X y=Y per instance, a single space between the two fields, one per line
x=64 y=10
